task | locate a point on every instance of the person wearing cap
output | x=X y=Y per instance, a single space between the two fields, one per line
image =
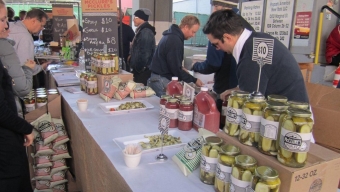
x=225 y=31
x=218 y=61
x=143 y=46
x=167 y=60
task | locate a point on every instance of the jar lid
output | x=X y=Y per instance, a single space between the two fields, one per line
x=204 y=88
x=256 y=97
x=298 y=105
x=230 y=150
x=245 y=160
x=278 y=98
x=172 y=100
x=299 y=112
x=40 y=89
x=174 y=78
x=240 y=93
x=213 y=140
x=53 y=90
x=165 y=97
x=113 y=54
x=186 y=102
x=52 y=93
x=277 y=105
x=40 y=96
x=266 y=173
x=106 y=55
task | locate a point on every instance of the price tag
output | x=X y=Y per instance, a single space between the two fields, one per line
x=189 y=91
x=263 y=50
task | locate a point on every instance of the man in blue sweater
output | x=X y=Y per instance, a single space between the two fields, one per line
x=225 y=31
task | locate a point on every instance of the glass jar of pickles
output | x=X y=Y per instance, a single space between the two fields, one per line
x=99 y=63
x=41 y=100
x=270 y=126
x=242 y=172
x=94 y=62
x=226 y=160
x=295 y=136
x=82 y=82
x=251 y=119
x=91 y=83
x=266 y=179
x=29 y=103
x=233 y=112
x=209 y=159
x=106 y=65
x=115 y=63
x=278 y=98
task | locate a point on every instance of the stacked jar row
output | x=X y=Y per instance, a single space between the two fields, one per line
x=89 y=83
x=276 y=126
x=105 y=64
x=37 y=98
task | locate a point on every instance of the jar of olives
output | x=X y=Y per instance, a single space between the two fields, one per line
x=91 y=85
x=226 y=160
x=233 y=112
x=29 y=103
x=295 y=136
x=251 y=119
x=41 y=100
x=242 y=172
x=278 y=98
x=270 y=126
x=266 y=179
x=209 y=159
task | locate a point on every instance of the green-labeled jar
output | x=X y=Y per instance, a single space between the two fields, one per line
x=270 y=123
x=209 y=159
x=233 y=112
x=251 y=119
x=295 y=136
x=242 y=172
x=226 y=160
x=266 y=179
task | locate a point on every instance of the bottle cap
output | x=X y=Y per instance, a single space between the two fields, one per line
x=174 y=78
x=204 y=88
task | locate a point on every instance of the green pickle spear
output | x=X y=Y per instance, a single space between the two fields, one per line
x=235 y=173
x=302 y=157
x=246 y=176
x=261 y=187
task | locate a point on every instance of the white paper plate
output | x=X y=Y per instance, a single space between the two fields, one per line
x=107 y=106
x=135 y=139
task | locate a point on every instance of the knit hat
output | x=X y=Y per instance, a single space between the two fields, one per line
x=143 y=14
x=225 y=3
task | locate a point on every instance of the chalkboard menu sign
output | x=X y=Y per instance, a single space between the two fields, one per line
x=48 y=31
x=61 y=12
x=99 y=30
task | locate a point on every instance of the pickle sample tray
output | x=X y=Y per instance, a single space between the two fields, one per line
x=135 y=139
x=106 y=107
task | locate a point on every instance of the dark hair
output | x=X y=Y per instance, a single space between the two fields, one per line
x=10 y=13
x=223 y=21
x=22 y=12
x=36 y=13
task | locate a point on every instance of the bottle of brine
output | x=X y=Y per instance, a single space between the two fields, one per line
x=251 y=119
x=295 y=136
x=270 y=126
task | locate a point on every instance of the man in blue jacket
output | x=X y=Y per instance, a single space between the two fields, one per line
x=167 y=60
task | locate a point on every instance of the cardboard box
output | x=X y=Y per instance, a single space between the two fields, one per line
x=306 y=70
x=320 y=174
x=124 y=75
x=325 y=102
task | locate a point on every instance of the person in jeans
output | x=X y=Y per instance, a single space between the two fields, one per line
x=143 y=46
x=167 y=60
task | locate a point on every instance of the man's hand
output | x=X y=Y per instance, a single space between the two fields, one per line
x=199 y=83
x=30 y=63
x=29 y=139
x=223 y=96
x=44 y=65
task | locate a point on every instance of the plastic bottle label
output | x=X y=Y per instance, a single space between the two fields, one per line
x=185 y=116
x=269 y=129
x=251 y=123
x=208 y=164
x=199 y=118
x=223 y=173
x=294 y=142
x=173 y=113
x=239 y=185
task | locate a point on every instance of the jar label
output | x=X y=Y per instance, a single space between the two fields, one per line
x=208 y=164
x=233 y=115
x=269 y=129
x=199 y=118
x=239 y=185
x=251 y=123
x=41 y=104
x=223 y=173
x=185 y=116
x=91 y=84
x=173 y=113
x=294 y=142
x=99 y=63
x=30 y=107
x=106 y=63
x=113 y=63
x=224 y=110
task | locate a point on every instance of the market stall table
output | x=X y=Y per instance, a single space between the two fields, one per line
x=98 y=163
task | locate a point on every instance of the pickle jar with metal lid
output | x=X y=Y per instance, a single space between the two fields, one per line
x=41 y=100
x=115 y=63
x=270 y=126
x=266 y=179
x=298 y=105
x=209 y=159
x=29 y=103
x=251 y=119
x=99 y=63
x=242 y=172
x=233 y=112
x=106 y=64
x=82 y=82
x=294 y=138
x=226 y=160
x=278 y=98
x=94 y=62
x=92 y=85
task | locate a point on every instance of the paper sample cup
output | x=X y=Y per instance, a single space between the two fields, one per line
x=82 y=104
x=132 y=160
